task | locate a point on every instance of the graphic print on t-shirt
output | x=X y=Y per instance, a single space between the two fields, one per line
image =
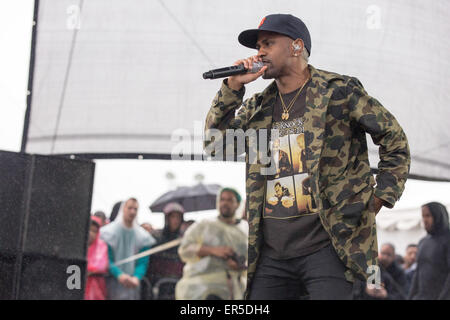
x=288 y=192
x=282 y=157
x=281 y=198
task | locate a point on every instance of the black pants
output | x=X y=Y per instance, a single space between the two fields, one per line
x=318 y=276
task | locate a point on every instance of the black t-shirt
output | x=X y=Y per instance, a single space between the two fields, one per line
x=291 y=225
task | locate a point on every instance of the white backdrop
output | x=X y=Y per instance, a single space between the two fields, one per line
x=122 y=76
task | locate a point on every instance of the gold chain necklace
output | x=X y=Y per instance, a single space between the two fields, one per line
x=286 y=110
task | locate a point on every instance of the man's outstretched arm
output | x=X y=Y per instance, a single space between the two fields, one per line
x=228 y=111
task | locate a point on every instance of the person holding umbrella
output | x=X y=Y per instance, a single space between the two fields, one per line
x=215 y=253
x=167 y=264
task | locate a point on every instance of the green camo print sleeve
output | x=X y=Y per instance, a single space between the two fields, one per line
x=387 y=133
x=227 y=112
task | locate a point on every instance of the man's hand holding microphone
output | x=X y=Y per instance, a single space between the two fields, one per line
x=238 y=81
x=242 y=72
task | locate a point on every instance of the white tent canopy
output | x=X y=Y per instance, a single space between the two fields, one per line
x=113 y=77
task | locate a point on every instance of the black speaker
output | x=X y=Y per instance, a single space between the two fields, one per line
x=45 y=204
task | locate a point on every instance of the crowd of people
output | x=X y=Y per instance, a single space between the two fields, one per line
x=210 y=259
x=423 y=273
x=209 y=262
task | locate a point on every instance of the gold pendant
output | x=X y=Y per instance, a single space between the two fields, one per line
x=285 y=116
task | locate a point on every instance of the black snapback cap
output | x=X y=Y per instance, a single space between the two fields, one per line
x=285 y=24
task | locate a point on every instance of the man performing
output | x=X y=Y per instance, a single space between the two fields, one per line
x=215 y=253
x=327 y=249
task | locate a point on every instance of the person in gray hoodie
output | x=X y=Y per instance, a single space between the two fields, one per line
x=432 y=278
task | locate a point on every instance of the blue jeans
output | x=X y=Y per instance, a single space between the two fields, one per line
x=318 y=276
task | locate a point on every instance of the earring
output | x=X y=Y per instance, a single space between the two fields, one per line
x=296 y=48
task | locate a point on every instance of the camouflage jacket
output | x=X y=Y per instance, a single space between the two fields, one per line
x=338 y=114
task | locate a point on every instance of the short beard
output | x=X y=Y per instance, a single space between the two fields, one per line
x=267 y=75
x=270 y=73
x=227 y=214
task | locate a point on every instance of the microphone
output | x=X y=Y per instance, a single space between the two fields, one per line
x=231 y=71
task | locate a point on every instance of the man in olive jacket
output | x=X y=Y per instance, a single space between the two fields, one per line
x=332 y=114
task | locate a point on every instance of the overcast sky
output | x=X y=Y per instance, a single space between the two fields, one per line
x=118 y=179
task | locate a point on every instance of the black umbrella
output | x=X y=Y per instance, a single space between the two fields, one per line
x=195 y=198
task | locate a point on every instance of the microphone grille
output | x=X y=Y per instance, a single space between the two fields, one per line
x=256 y=66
